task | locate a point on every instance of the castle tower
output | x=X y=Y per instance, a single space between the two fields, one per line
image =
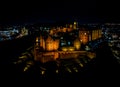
x=75 y=25
x=77 y=44
x=55 y=44
x=49 y=44
x=42 y=42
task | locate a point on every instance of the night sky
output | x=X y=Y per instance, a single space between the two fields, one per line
x=86 y=10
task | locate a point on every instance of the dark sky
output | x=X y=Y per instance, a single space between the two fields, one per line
x=88 y=10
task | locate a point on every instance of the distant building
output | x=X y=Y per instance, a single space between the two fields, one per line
x=86 y=34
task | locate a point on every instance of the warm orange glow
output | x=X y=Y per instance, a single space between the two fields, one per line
x=51 y=32
x=90 y=38
x=49 y=44
x=96 y=34
x=99 y=33
x=83 y=35
x=58 y=29
x=37 y=40
x=64 y=29
x=64 y=49
x=25 y=69
x=84 y=39
x=69 y=29
x=77 y=44
x=71 y=48
x=47 y=56
x=56 y=55
x=55 y=45
x=42 y=72
x=93 y=36
x=75 y=23
x=42 y=42
x=71 y=25
x=91 y=55
x=56 y=71
x=81 y=64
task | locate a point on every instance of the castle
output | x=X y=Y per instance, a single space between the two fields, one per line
x=49 y=48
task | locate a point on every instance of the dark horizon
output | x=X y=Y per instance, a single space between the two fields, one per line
x=86 y=11
x=43 y=20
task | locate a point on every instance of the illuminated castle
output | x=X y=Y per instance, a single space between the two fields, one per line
x=67 y=28
x=50 y=48
x=85 y=34
x=51 y=44
x=47 y=44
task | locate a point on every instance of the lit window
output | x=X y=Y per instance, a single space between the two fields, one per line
x=61 y=38
x=62 y=44
x=68 y=43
